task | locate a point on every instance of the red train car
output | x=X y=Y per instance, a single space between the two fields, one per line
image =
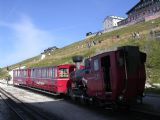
x=53 y=78
x=20 y=76
x=116 y=77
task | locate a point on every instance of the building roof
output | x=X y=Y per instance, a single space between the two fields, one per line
x=114 y=17
x=139 y=3
x=134 y=6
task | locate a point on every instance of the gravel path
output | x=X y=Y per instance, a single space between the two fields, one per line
x=56 y=106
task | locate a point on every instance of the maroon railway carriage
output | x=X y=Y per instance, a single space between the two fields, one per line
x=54 y=78
x=116 y=76
x=20 y=76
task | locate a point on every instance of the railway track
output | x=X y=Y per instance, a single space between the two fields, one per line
x=133 y=114
x=23 y=110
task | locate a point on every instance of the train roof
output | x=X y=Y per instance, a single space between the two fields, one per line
x=62 y=65
x=114 y=49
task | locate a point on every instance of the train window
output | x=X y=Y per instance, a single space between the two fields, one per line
x=47 y=71
x=18 y=74
x=21 y=73
x=87 y=63
x=44 y=73
x=121 y=62
x=96 y=65
x=63 y=72
x=35 y=72
x=120 y=58
x=15 y=73
x=55 y=72
x=39 y=73
x=50 y=75
x=25 y=73
x=32 y=73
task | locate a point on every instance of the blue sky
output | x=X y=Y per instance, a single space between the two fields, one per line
x=27 y=27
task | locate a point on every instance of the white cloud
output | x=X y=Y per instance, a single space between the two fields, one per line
x=29 y=40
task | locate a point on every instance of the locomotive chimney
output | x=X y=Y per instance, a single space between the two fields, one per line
x=77 y=60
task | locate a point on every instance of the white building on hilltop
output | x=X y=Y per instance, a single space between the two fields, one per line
x=111 y=22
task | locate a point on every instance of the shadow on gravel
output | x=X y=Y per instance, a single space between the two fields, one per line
x=6 y=113
x=67 y=110
x=62 y=108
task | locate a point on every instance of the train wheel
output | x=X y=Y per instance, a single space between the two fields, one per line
x=140 y=100
x=88 y=103
x=114 y=107
x=82 y=100
x=71 y=94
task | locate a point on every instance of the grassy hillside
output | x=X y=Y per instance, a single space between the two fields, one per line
x=3 y=73
x=108 y=41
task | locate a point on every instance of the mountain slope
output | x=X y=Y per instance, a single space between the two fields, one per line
x=108 y=41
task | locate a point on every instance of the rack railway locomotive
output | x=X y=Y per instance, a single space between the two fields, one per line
x=110 y=77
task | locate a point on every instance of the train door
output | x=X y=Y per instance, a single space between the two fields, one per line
x=94 y=78
x=105 y=65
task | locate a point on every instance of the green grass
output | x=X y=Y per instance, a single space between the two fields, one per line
x=3 y=73
x=108 y=40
